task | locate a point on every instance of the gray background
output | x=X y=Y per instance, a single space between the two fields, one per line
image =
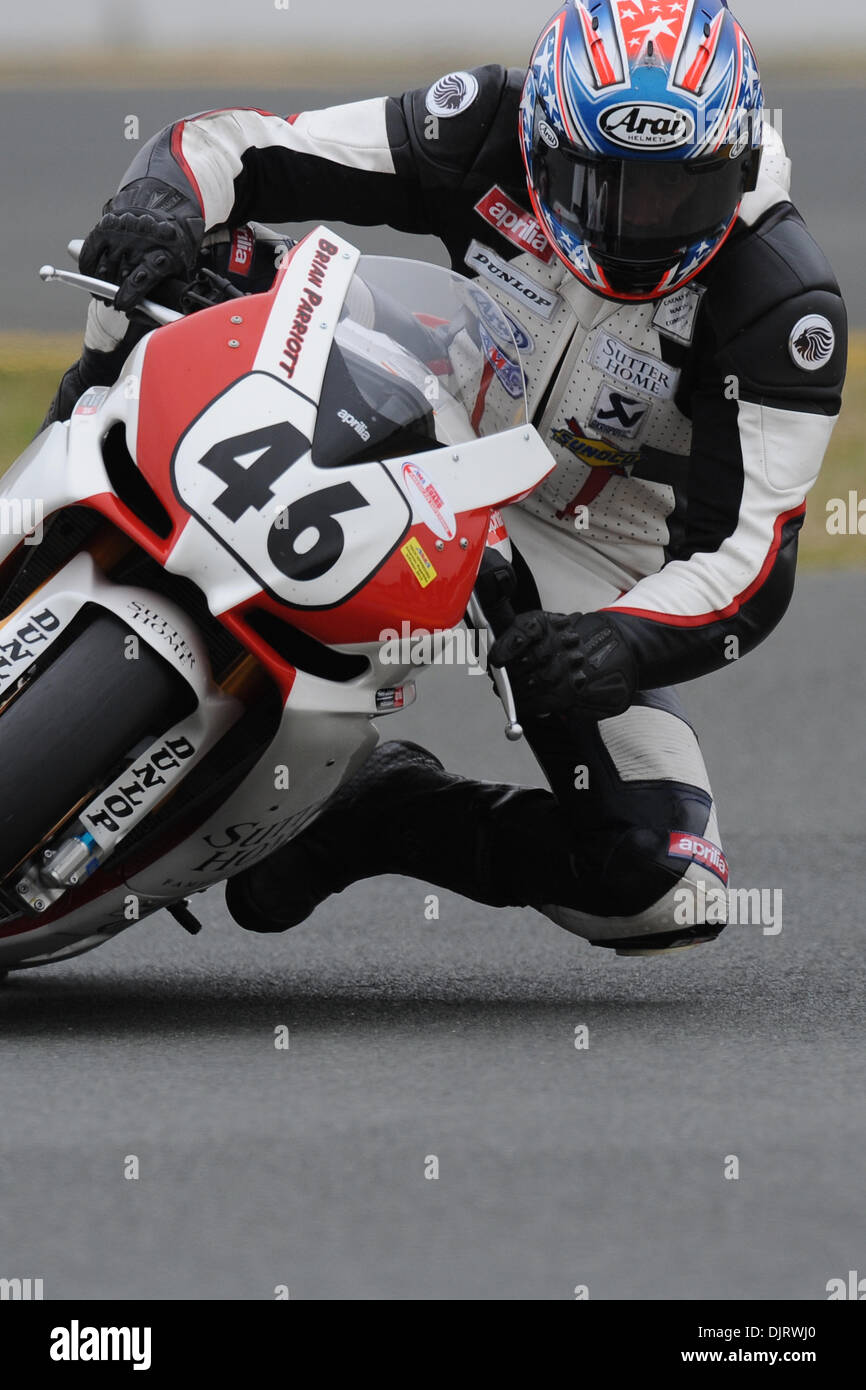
x=374 y=25
x=64 y=152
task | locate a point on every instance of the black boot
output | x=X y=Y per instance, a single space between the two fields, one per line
x=402 y=813
x=93 y=368
x=72 y=387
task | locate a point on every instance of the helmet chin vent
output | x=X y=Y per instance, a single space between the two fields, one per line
x=627 y=277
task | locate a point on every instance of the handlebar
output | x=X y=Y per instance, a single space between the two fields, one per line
x=203 y=292
x=103 y=290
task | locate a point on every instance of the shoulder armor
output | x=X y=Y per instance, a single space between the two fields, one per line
x=776 y=313
x=464 y=123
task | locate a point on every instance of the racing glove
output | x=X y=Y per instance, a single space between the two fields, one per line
x=248 y=258
x=148 y=232
x=567 y=665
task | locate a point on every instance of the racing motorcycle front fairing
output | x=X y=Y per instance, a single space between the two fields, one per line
x=318 y=464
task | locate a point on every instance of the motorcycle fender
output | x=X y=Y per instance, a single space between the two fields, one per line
x=155 y=620
x=313 y=753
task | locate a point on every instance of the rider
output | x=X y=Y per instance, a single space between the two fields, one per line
x=684 y=344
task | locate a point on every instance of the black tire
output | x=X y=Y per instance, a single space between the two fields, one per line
x=73 y=725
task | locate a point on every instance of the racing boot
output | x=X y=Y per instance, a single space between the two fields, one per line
x=108 y=340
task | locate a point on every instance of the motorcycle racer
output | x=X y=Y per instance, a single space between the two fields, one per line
x=683 y=341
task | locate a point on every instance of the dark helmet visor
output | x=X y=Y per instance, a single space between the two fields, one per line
x=639 y=210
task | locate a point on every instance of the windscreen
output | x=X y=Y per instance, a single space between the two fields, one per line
x=422 y=358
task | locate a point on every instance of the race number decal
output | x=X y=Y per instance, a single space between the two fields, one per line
x=312 y=537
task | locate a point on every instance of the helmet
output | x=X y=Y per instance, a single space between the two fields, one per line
x=641 y=127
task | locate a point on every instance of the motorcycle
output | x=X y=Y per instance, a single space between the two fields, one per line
x=191 y=655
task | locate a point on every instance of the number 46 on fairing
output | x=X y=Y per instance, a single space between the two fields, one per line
x=312 y=537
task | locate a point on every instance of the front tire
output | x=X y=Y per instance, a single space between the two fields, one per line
x=73 y=725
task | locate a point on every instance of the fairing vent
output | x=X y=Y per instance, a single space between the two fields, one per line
x=303 y=652
x=131 y=486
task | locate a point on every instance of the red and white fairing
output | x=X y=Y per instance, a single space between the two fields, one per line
x=219 y=412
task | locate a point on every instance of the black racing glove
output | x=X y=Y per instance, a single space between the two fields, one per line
x=567 y=665
x=247 y=258
x=148 y=232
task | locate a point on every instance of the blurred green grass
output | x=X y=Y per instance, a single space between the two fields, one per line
x=31 y=365
x=844 y=471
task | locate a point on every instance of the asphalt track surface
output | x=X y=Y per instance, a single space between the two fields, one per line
x=557 y=1167
x=63 y=153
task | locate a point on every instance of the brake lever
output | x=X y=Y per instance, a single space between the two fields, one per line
x=191 y=297
x=103 y=290
x=498 y=674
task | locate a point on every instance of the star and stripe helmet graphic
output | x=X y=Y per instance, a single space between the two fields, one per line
x=641 y=126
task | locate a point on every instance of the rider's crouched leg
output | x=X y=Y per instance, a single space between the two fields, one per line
x=505 y=846
x=402 y=813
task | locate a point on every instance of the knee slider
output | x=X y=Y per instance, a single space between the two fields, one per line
x=636 y=874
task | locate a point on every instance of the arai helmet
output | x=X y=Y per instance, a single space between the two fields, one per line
x=641 y=127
